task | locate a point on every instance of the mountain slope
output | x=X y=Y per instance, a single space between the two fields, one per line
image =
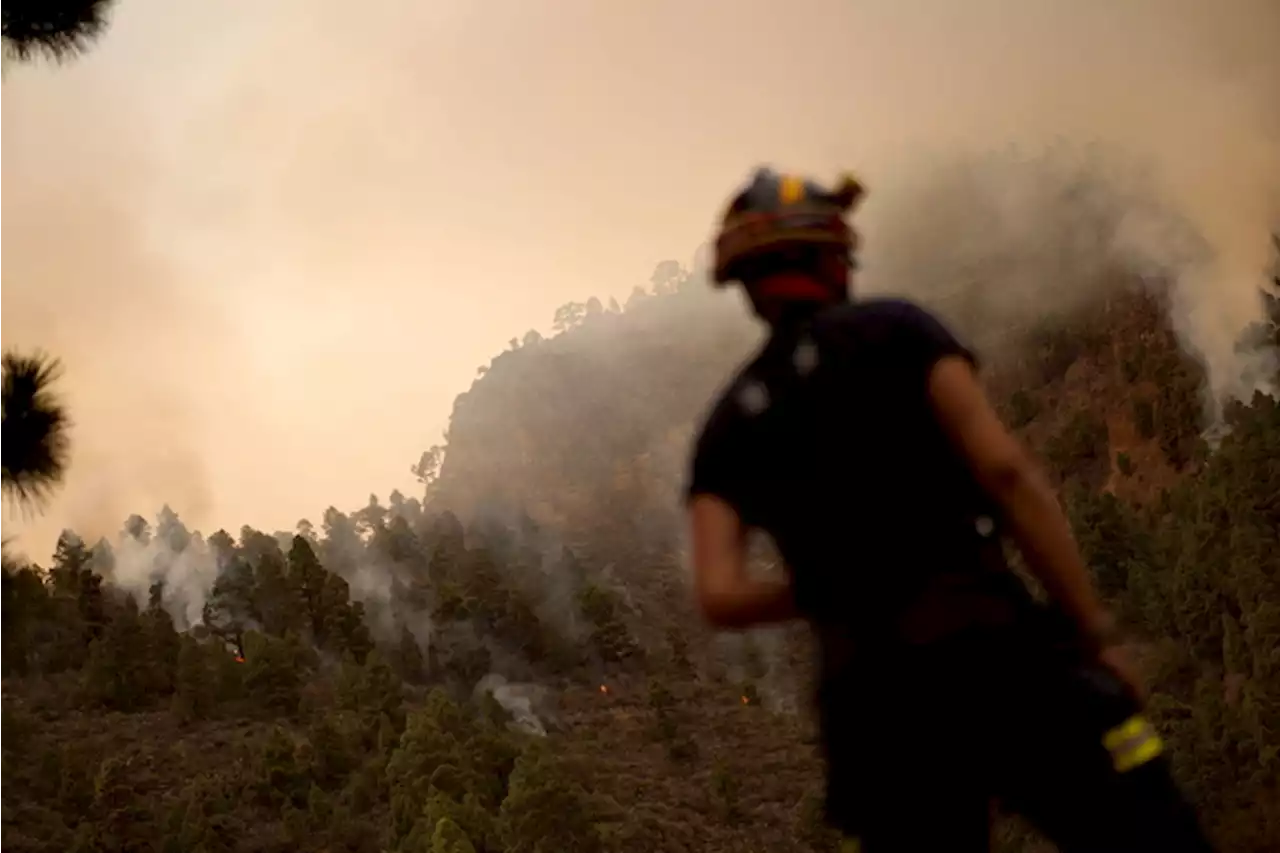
x=315 y=690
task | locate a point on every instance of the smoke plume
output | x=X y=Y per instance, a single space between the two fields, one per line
x=272 y=242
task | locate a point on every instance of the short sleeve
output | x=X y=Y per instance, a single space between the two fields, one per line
x=712 y=468
x=920 y=340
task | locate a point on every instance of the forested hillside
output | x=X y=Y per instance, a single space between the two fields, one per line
x=509 y=662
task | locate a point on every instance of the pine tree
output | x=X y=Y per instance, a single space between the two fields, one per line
x=59 y=30
x=194 y=690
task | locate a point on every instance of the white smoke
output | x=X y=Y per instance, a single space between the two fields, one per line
x=528 y=704
x=1000 y=242
x=187 y=574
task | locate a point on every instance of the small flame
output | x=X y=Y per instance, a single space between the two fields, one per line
x=746 y=701
x=604 y=689
x=239 y=658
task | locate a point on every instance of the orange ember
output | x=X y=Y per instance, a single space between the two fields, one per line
x=746 y=701
x=239 y=659
x=604 y=689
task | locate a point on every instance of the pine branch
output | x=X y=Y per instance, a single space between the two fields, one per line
x=34 y=441
x=59 y=29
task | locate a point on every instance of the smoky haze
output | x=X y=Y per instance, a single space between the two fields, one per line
x=271 y=242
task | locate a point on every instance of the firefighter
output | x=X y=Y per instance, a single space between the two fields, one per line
x=860 y=439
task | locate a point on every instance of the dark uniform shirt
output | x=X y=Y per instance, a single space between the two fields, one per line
x=826 y=440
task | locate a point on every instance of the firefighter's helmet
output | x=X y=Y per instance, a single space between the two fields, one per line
x=777 y=212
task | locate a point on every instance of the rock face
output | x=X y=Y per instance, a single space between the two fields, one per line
x=531 y=706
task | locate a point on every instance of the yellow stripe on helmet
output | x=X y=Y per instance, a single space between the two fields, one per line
x=790 y=189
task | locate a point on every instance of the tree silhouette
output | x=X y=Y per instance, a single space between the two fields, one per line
x=59 y=29
x=35 y=427
x=35 y=423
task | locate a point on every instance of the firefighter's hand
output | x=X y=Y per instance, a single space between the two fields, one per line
x=1118 y=659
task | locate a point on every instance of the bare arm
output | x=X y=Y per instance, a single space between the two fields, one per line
x=1007 y=472
x=727 y=595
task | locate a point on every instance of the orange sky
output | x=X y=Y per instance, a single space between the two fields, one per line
x=272 y=242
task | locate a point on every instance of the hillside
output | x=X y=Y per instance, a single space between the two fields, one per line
x=317 y=689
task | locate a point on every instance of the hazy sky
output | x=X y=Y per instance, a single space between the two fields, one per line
x=271 y=241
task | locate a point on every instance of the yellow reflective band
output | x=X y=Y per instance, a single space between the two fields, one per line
x=790 y=189
x=1139 y=755
x=1127 y=730
x=1132 y=744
